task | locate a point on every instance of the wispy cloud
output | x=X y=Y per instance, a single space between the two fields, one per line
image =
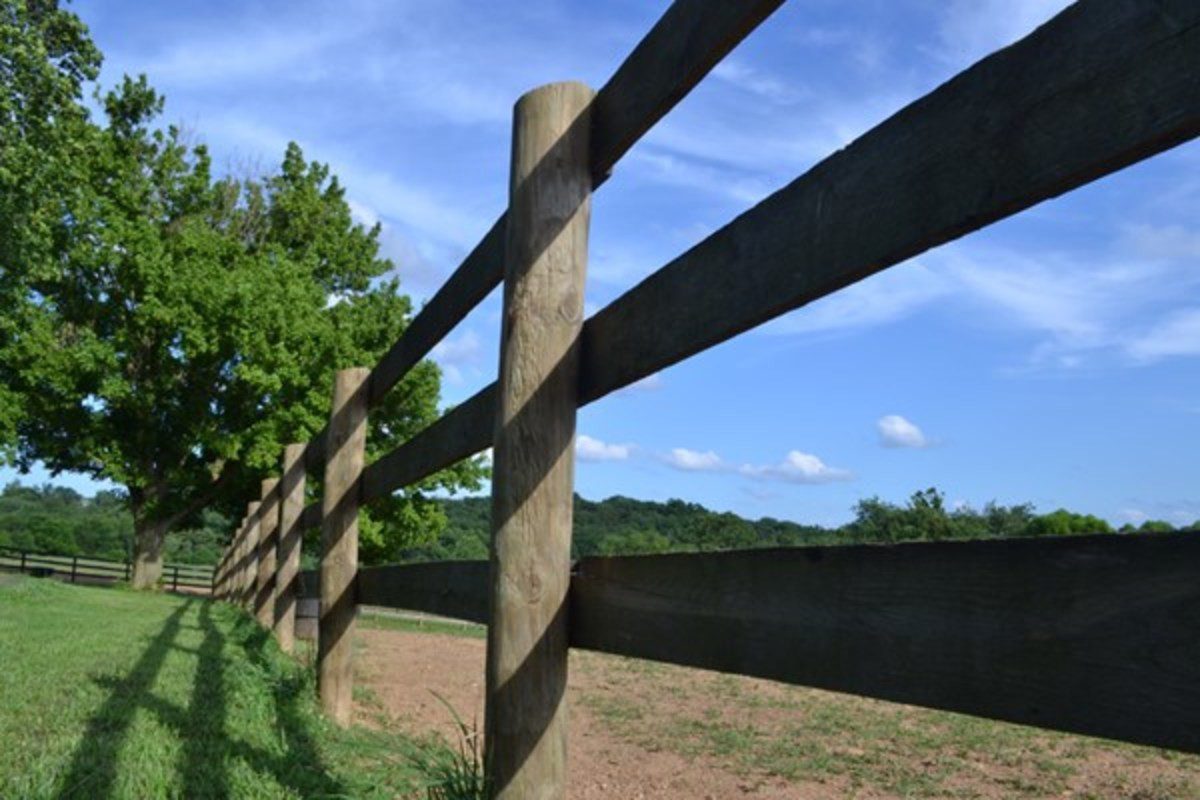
x=896 y=431
x=589 y=449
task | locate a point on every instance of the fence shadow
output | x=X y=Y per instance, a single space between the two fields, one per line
x=93 y=769
x=209 y=747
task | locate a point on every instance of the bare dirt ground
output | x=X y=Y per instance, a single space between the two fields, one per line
x=642 y=730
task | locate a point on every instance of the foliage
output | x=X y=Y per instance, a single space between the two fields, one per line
x=172 y=330
x=47 y=58
x=621 y=525
x=60 y=521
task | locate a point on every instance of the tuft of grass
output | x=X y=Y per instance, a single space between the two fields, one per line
x=461 y=775
x=121 y=694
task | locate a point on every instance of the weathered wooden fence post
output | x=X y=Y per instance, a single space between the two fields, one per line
x=237 y=563
x=533 y=472
x=291 y=506
x=74 y=567
x=268 y=525
x=345 y=441
x=250 y=572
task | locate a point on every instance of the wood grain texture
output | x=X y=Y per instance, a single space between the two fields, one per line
x=457 y=589
x=291 y=498
x=1101 y=86
x=250 y=557
x=1094 y=635
x=346 y=440
x=268 y=548
x=533 y=461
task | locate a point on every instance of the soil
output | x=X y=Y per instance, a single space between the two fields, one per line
x=640 y=730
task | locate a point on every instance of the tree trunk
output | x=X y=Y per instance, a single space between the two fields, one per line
x=148 y=539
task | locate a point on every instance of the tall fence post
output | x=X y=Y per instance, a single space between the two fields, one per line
x=250 y=572
x=533 y=462
x=345 y=441
x=291 y=506
x=175 y=580
x=268 y=525
x=74 y=567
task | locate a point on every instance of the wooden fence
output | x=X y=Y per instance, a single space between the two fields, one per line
x=191 y=578
x=1095 y=635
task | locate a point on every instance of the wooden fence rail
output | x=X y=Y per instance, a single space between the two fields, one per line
x=87 y=569
x=1091 y=634
x=1051 y=633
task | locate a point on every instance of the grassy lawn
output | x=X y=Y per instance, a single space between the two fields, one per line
x=111 y=694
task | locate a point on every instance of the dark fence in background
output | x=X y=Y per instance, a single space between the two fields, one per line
x=192 y=578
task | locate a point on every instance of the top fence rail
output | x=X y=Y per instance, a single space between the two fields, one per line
x=688 y=41
x=1099 y=87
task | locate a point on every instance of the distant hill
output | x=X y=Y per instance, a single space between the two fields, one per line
x=59 y=520
x=622 y=525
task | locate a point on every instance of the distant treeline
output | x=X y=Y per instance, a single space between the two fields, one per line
x=621 y=525
x=59 y=520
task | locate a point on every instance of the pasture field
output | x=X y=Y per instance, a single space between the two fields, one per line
x=640 y=729
x=108 y=693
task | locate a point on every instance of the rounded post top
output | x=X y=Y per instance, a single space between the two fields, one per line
x=572 y=93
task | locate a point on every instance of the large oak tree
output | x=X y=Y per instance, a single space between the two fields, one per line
x=169 y=330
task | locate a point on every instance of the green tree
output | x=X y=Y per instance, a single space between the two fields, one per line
x=186 y=327
x=45 y=59
x=1067 y=523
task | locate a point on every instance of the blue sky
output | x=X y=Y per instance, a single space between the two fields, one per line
x=1053 y=358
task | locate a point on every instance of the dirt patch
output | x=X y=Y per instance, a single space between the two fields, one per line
x=645 y=730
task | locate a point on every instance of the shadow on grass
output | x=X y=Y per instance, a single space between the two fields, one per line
x=94 y=764
x=208 y=747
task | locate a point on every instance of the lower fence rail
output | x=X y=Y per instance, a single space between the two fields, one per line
x=1096 y=635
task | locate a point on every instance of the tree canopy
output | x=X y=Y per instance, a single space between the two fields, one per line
x=169 y=329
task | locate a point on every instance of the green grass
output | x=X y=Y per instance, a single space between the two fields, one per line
x=115 y=694
x=391 y=622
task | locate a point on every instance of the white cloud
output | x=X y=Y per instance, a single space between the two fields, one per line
x=896 y=431
x=589 y=449
x=694 y=460
x=798 y=467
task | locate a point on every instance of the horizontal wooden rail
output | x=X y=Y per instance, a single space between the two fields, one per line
x=189 y=576
x=682 y=47
x=456 y=589
x=462 y=432
x=1091 y=634
x=1099 y=87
